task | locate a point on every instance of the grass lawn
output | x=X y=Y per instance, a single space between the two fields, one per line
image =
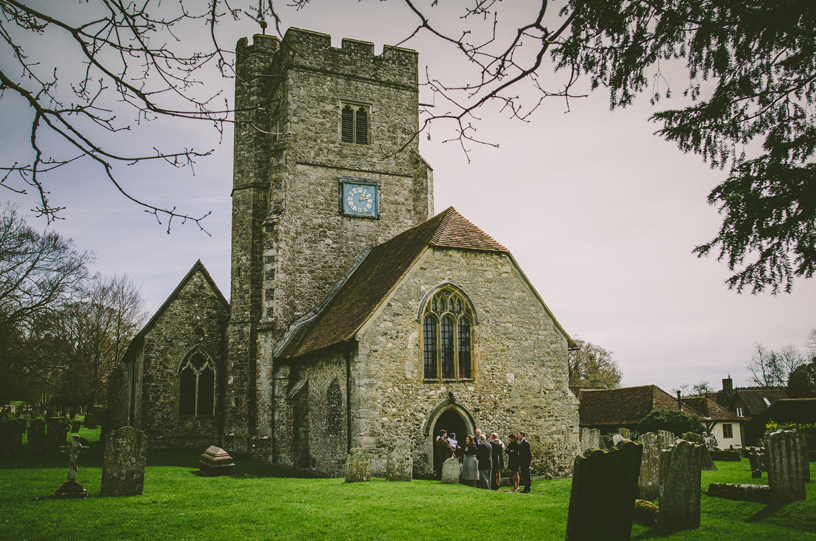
x=267 y=502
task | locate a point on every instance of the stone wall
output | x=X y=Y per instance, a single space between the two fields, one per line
x=192 y=320
x=520 y=365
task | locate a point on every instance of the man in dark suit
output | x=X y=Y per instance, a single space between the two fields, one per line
x=498 y=460
x=525 y=457
x=484 y=454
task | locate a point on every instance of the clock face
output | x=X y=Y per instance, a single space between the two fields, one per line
x=360 y=200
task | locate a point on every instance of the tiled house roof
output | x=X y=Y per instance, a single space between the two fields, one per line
x=625 y=406
x=348 y=308
x=710 y=410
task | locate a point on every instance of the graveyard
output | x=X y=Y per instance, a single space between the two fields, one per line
x=261 y=501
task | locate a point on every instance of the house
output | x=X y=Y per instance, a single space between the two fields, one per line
x=357 y=318
x=724 y=425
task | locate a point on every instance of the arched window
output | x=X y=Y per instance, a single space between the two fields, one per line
x=197 y=385
x=446 y=335
x=354 y=124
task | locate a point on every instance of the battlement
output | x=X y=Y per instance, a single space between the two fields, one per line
x=313 y=51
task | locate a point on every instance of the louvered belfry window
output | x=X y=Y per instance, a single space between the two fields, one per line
x=447 y=337
x=355 y=124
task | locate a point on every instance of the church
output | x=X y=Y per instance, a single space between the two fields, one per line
x=358 y=318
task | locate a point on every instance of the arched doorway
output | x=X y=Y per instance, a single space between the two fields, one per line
x=452 y=421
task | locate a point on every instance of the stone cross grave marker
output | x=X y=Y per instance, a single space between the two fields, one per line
x=451 y=470
x=36 y=438
x=783 y=459
x=124 y=468
x=602 y=498
x=358 y=465
x=70 y=488
x=400 y=464
x=680 y=467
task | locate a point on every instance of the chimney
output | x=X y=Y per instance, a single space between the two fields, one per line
x=679 y=404
x=728 y=386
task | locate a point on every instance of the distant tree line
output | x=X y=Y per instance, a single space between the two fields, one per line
x=62 y=329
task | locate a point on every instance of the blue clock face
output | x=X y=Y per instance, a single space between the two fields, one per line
x=360 y=200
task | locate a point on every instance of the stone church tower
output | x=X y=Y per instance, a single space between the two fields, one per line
x=326 y=163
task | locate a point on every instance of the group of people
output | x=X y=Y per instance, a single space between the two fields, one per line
x=482 y=459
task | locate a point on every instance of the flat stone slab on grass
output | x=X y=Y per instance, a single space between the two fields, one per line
x=740 y=493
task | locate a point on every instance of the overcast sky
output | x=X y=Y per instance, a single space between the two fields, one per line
x=601 y=214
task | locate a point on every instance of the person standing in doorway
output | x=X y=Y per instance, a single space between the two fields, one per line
x=525 y=457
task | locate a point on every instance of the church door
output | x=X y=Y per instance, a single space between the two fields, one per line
x=453 y=422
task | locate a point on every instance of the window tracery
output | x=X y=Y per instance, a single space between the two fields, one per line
x=197 y=385
x=447 y=337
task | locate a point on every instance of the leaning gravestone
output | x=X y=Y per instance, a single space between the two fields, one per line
x=124 y=468
x=358 y=465
x=36 y=438
x=450 y=471
x=602 y=498
x=784 y=461
x=650 y=466
x=400 y=464
x=680 y=486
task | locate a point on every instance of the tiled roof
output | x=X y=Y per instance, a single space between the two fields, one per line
x=710 y=409
x=757 y=400
x=351 y=305
x=625 y=406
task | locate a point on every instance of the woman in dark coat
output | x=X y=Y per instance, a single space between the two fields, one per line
x=513 y=461
x=470 y=466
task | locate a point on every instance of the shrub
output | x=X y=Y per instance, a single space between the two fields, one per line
x=675 y=421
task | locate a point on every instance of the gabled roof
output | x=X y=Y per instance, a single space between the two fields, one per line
x=758 y=400
x=370 y=281
x=625 y=406
x=197 y=267
x=710 y=410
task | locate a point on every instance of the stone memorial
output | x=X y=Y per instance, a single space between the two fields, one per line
x=603 y=494
x=756 y=458
x=626 y=433
x=784 y=461
x=215 y=462
x=400 y=464
x=680 y=486
x=90 y=421
x=56 y=435
x=451 y=471
x=706 y=460
x=650 y=466
x=801 y=442
x=123 y=470
x=36 y=438
x=75 y=425
x=11 y=439
x=358 y=465
x=71 y=488
x=617 y=439
x=591 y=439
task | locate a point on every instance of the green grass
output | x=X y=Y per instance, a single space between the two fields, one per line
x=267 y=502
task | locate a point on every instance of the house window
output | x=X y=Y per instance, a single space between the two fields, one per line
x=355 y=123
x=197 y=385
x=727 y=431
x=446 y=336
x=740 y=412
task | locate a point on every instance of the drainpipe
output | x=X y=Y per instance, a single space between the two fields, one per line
x=348 y=398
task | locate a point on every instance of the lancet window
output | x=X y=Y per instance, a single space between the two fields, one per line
x=447 y=336
x=197 y=385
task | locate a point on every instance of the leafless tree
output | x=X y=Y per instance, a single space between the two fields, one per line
x=773 y=368
x=592 y=367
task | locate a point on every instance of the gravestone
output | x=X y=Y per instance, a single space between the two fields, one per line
x=803 y=451
x=665 y=438
x=36 y=438
x=706 y=460
x=214 y=462
x=626 y=433
x=451 y=470
x=602 y=498
x=756 y=457
x=591 y=439
x=124 y=468
x=650 y=465
x=75 y=427
x=71 y=488
x=617 y=439
x=358 y=465
x=56 y=436
x=680 y=467
x=11 y=439
x=784 y=461
x=90 y=421
x=400 y=464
